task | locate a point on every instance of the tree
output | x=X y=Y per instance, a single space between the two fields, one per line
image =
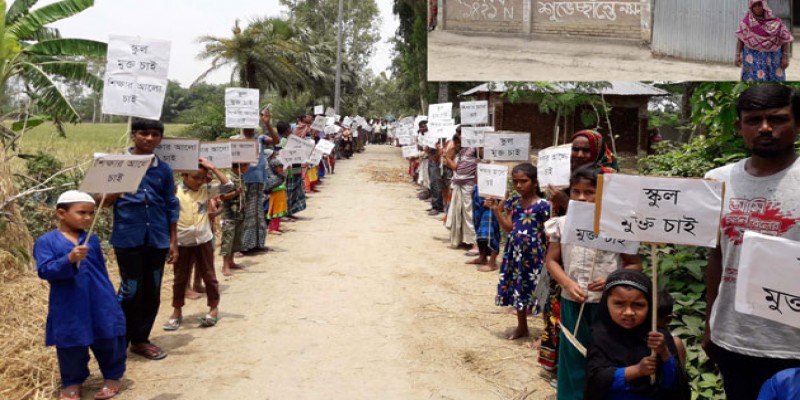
x=410 y=64
x=269 y=54
x=37 y=56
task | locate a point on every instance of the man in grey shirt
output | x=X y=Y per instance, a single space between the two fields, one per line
x=762 y=194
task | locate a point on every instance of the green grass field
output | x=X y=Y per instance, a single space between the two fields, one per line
x=81 y=142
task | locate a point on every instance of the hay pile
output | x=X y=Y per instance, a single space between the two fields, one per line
x=28 y=369
x=386 y=175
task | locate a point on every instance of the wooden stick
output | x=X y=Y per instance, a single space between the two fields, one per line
x=94 y=221
x=654 y=319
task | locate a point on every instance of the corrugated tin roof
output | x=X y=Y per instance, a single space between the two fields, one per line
x=615 y=88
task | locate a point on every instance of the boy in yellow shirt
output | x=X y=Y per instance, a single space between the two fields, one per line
x=194 y=241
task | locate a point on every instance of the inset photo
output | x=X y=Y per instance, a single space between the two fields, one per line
x=647 y=40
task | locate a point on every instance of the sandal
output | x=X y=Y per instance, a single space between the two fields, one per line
x=148 y=351
x=71 y=395
x=173 y=324
x=107 y=392
x=208 y=321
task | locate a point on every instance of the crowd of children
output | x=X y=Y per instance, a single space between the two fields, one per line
x=597 y=341
x=167 y=223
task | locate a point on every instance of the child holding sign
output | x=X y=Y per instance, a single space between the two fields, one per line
x=523 y=256
x=232 y=221
x=582 y=273
x=194 y=241
x=84 y=311
x=620 y=360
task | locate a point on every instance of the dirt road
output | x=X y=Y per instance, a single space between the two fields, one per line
x=456 y=57
x=363 y=299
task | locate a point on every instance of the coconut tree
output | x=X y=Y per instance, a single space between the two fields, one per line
x=269 y=54
x=37 y=57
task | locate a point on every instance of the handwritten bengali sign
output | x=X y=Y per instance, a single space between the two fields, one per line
x=492 y=180
x=474 y=136
x=241 y=108
x=766 y=284
x=410 y=151
x=180 y=154
x=405 y=139
x=297 y=150
x=659 y=210
x=116 y=173
x=319 y=110
x=218 y=153
x=442 y=129
x=325 y=146
x=330 y=121
x=441 y=111
x=507 y=146
x=332 y=130
x=319 y=123
x=474 y=112
x=244 y=150
x=136 y=76
x=429 y=141
x=579 y=230
x=330 y=112
x=348 y=122
x=315 y=157
x=554 y=166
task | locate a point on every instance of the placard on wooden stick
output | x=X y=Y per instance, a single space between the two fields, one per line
x=319 y=123
x=136 y=76
x=492 y=180
x=766 y=283
x=244 y=150
x=410 y=151
x=579 y=230
x=474 y=136
x=325 y=146
x=474 y=112
x=241 y=108
x=554 y=166
x=218 y=153
x=507 y=146
x=181 y=154
x=441 y=111
x=659 y=209
x=112 y=173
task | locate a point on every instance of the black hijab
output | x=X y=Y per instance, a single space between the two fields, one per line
x=616 y=347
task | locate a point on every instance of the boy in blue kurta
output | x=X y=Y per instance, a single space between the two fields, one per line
x=83 y=309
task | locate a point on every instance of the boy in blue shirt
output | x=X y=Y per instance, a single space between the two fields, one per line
x=144 y=237
x=83 y=308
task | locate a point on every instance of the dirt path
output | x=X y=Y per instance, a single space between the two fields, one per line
x=452 y=57
x=362 y=299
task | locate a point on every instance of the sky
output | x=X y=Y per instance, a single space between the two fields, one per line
x=183 y=21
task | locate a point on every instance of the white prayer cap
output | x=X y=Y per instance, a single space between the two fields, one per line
x=74 y=196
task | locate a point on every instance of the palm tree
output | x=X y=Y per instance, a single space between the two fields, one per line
x=270 y=54
x=37 y=57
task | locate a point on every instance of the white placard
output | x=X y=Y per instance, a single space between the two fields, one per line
x=354 y=133
x=319 y=110
x=474 y=136
x=297 y=150
x=330 y=112
x=319 y=124
x=492 y=180
x=219 y=153
x=659 y=210
x=429 y=141
x=325 y=146
x=241 y=108
x=348 y=122
x=115 y=173
x=315 y=157
x=330 y=121
x=180 y=154
x=136 y=76
x=474 y=112
x=441 y=111
x=579 y=230
x=405 y=140
x=331 y=130
x=554 y=166
x=410 y=151
x=244 y=151
x=442 y=129
x=507 y=146
x=766 y=284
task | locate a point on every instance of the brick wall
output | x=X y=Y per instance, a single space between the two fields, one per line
x=612 y=18
x=485 y=15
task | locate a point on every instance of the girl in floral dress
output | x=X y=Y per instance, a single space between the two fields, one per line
x=523 y=256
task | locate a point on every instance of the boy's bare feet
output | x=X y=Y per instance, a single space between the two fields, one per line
x=518 y=333
x=226 y=271
x=192 y=295
x=477 y=261
x=536 y=344
x=488 y=267
x=275 y=232
x=236 y=266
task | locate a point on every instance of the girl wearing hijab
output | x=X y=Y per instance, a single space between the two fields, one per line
x=619 y=359
x=762 y=49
